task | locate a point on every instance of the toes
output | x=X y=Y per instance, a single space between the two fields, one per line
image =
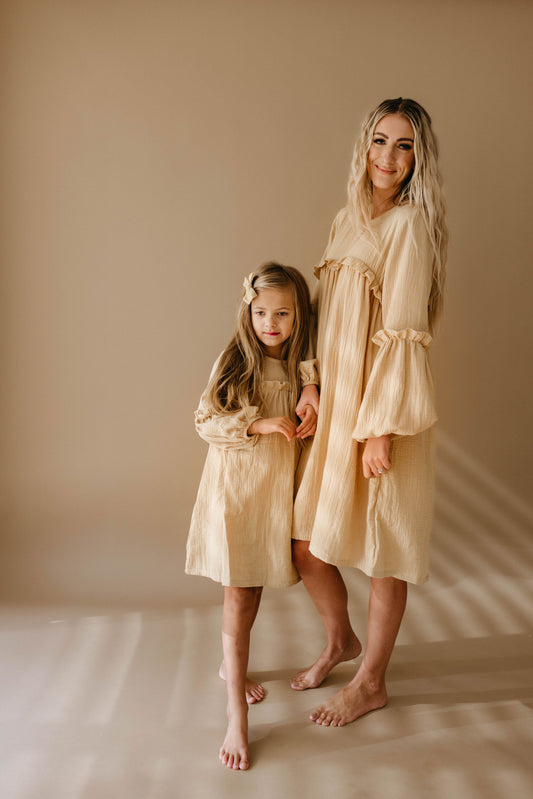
x=325 y=718
x=254 y=695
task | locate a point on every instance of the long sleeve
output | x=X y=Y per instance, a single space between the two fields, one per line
x=309 y=373
x=225 y=430
x=228 y=431
x=399 y=396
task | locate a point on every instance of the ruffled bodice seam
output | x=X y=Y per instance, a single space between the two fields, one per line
x=354 y=263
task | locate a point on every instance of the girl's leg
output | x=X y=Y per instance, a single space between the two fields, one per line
x=367 y=691
x=240 y=609
x=254 y=691
x=328 y=592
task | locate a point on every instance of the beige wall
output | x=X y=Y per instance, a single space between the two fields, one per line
x=153 y=153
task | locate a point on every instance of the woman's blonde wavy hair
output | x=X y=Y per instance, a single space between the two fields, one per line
x=423 y=188
x=236 y=381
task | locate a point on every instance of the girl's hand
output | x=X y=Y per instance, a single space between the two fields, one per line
x=376 y=459
x=307 y=426
x=280 y=424
x=309 y=396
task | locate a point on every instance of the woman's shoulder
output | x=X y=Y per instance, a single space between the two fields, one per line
x=341 y=219
x=404 y=222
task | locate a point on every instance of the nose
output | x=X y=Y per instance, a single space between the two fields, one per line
x=389 y=154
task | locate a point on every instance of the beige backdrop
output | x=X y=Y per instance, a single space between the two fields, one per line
x=155 y=152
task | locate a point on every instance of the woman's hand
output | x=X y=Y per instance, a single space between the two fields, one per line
x=280 y=424
x=309 y=396
x=307 y=426
x=376 y=459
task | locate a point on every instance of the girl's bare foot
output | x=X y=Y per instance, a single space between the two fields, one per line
x=234 y=751
x=352 y=702
x=254 y=691
x=317 y=673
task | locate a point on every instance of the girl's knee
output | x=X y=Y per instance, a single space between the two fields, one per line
x=242 y=599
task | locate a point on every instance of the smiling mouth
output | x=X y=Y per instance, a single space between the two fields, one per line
x=385 y=171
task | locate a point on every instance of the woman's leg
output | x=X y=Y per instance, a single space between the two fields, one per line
x=240 y=610
x=254 y=691
x=328 y=592
x=367 y=691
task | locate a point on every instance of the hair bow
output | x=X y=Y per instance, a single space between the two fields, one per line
x=249 y=292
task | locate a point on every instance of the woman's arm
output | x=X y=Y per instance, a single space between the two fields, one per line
x=398 y=398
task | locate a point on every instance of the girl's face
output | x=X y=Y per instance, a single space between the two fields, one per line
x=391 y=157
x=273 y=318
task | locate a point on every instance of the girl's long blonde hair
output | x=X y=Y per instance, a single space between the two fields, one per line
x=423 y=188
x=236 y=380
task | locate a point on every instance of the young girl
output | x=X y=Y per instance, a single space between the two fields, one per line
x=240 y=532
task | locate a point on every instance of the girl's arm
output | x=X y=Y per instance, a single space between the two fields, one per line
x=279 y=424
x=309 y=402
x=226 y=430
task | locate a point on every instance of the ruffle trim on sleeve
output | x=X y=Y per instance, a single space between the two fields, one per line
x=399 y=397
x=309 y=373
x=353 y=263
x=383 y=336
x=228 y=431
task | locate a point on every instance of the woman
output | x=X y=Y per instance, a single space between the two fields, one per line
x=365 y=491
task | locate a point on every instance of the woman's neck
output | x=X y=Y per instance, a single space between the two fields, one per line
x=381 y=203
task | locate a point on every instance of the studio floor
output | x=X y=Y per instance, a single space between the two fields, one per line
x=102 y=702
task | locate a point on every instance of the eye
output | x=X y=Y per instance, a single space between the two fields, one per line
x=259 y=313
x=405 y=146
x=283 y=313
x=378 y=140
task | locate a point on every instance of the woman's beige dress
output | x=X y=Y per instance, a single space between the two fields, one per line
x=372 y=344
x=240 y=531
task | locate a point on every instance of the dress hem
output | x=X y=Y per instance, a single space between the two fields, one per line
x=243 y=583
x=380 y=574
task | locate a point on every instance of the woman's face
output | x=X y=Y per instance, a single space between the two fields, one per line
x=391 y=157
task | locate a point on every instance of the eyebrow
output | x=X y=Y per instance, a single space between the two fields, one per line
x=404 y=138
x=263 y=308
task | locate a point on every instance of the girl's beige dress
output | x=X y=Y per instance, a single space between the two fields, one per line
x=240 y=531
x=372 y=351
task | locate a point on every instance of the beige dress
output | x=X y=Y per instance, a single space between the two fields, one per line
x=240 y=531
x=372 y=346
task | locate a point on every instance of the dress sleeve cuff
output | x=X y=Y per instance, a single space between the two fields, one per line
x=309 y=373
x=399 y=397
x=228 y=431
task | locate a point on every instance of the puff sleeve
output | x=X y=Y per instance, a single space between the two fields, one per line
x=225 y=430
x=399 y=396
x=309 y=373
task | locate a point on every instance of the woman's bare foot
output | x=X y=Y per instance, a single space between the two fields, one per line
x=234 y=751
x=317 y=673
x=254 y=691
x=352 y=702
